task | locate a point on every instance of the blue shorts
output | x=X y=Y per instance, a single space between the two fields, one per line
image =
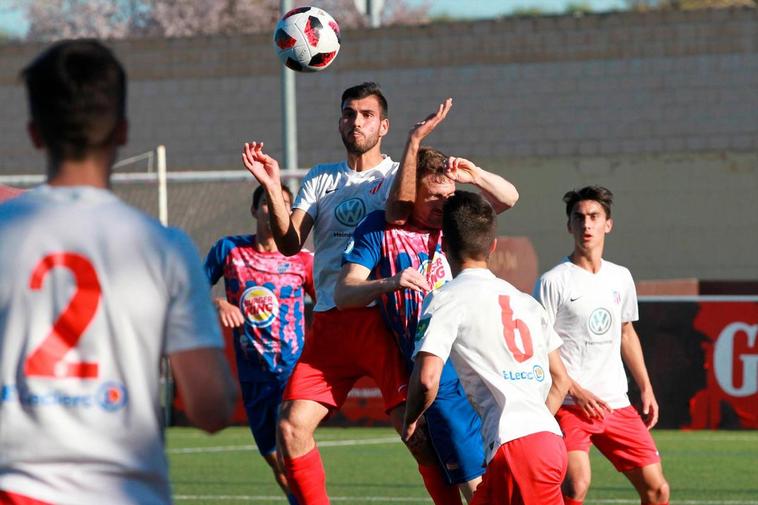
x=455 y=430
x=262 y=400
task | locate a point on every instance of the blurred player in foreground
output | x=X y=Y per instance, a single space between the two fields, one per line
x=592 y=302
x=93 y=293
x=344 y=345
x=399 y=264
x=505 y=353
x=265 y=307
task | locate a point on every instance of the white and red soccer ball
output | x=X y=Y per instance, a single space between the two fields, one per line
x=307 y=39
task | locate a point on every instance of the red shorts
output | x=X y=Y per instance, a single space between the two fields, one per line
x=344 y=346
x=622 y=436
x=525 y=471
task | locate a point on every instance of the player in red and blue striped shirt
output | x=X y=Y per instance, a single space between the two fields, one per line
x=399 y=265
x=265 y=308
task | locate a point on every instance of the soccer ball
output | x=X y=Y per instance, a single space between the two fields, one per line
x=307 y=39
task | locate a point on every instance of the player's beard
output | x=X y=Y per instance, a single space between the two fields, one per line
x=359 y=145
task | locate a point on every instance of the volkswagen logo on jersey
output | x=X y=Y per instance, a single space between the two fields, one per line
x=350 y=212
x=259 y=306
x=111 y=396
x=600 y=321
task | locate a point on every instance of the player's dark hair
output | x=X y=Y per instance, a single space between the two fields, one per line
x=599 y=194
x=258 y=194
x=364 y=90
x=430 y=162
x=468 y=225
x=77 y=97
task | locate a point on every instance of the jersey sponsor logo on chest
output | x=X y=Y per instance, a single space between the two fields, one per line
x=259 y=306
x=350 y=212
x=600 y=321
x=537 y=373
x=437 y=271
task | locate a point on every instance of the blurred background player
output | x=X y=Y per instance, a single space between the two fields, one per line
x=592 y=303
x=265 y=307
x=93 y=292
x=505 y=352
x=398 y=265
x=344 y=345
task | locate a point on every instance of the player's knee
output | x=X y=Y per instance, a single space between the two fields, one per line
x=576 y=486
x=287 y=431
x=658 y=493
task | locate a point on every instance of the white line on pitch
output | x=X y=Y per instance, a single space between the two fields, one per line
x=326 y=443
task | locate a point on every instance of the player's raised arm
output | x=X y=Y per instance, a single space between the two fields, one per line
x=631 y=353
x=289 y=230
x=498 y=191
x=206 y=386
x=403 y=193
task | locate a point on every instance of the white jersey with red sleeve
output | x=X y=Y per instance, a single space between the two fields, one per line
x=93 y=292
x=338 y=198
x=498 y=339
x=587 y=311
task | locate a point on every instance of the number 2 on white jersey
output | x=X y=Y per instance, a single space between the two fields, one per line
x=46 y=360
x=510 y=326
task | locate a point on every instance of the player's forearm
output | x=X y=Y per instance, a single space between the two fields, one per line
x=403 y=192
x=631 y=353
x=499 y=192
x=353 y=293
x=421 y=394
x=561 y=382
x=286 y=236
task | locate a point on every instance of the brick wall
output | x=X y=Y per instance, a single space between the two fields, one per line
x=661 y=107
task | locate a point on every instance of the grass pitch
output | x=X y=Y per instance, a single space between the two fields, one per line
x=369 y=466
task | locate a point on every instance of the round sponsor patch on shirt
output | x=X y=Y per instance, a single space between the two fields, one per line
x=260 y=306
x=600 y=321
x=350 y=212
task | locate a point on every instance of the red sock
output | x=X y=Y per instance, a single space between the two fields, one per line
x=441 y=492
x=306 y=478
x=571 y=501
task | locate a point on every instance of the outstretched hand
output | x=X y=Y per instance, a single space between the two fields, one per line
x=423 y=128
x=263 y=167
x=461 y=170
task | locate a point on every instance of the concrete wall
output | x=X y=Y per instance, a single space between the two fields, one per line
x=660 y=107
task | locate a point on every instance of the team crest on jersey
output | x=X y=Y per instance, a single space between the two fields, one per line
x=617 y=297
x=436 y=271
x=375 y=189
x=259 y=306
x=112 y=396
x=600 y=321
x=282 y=267
x=350 y=212
x=422 y=327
